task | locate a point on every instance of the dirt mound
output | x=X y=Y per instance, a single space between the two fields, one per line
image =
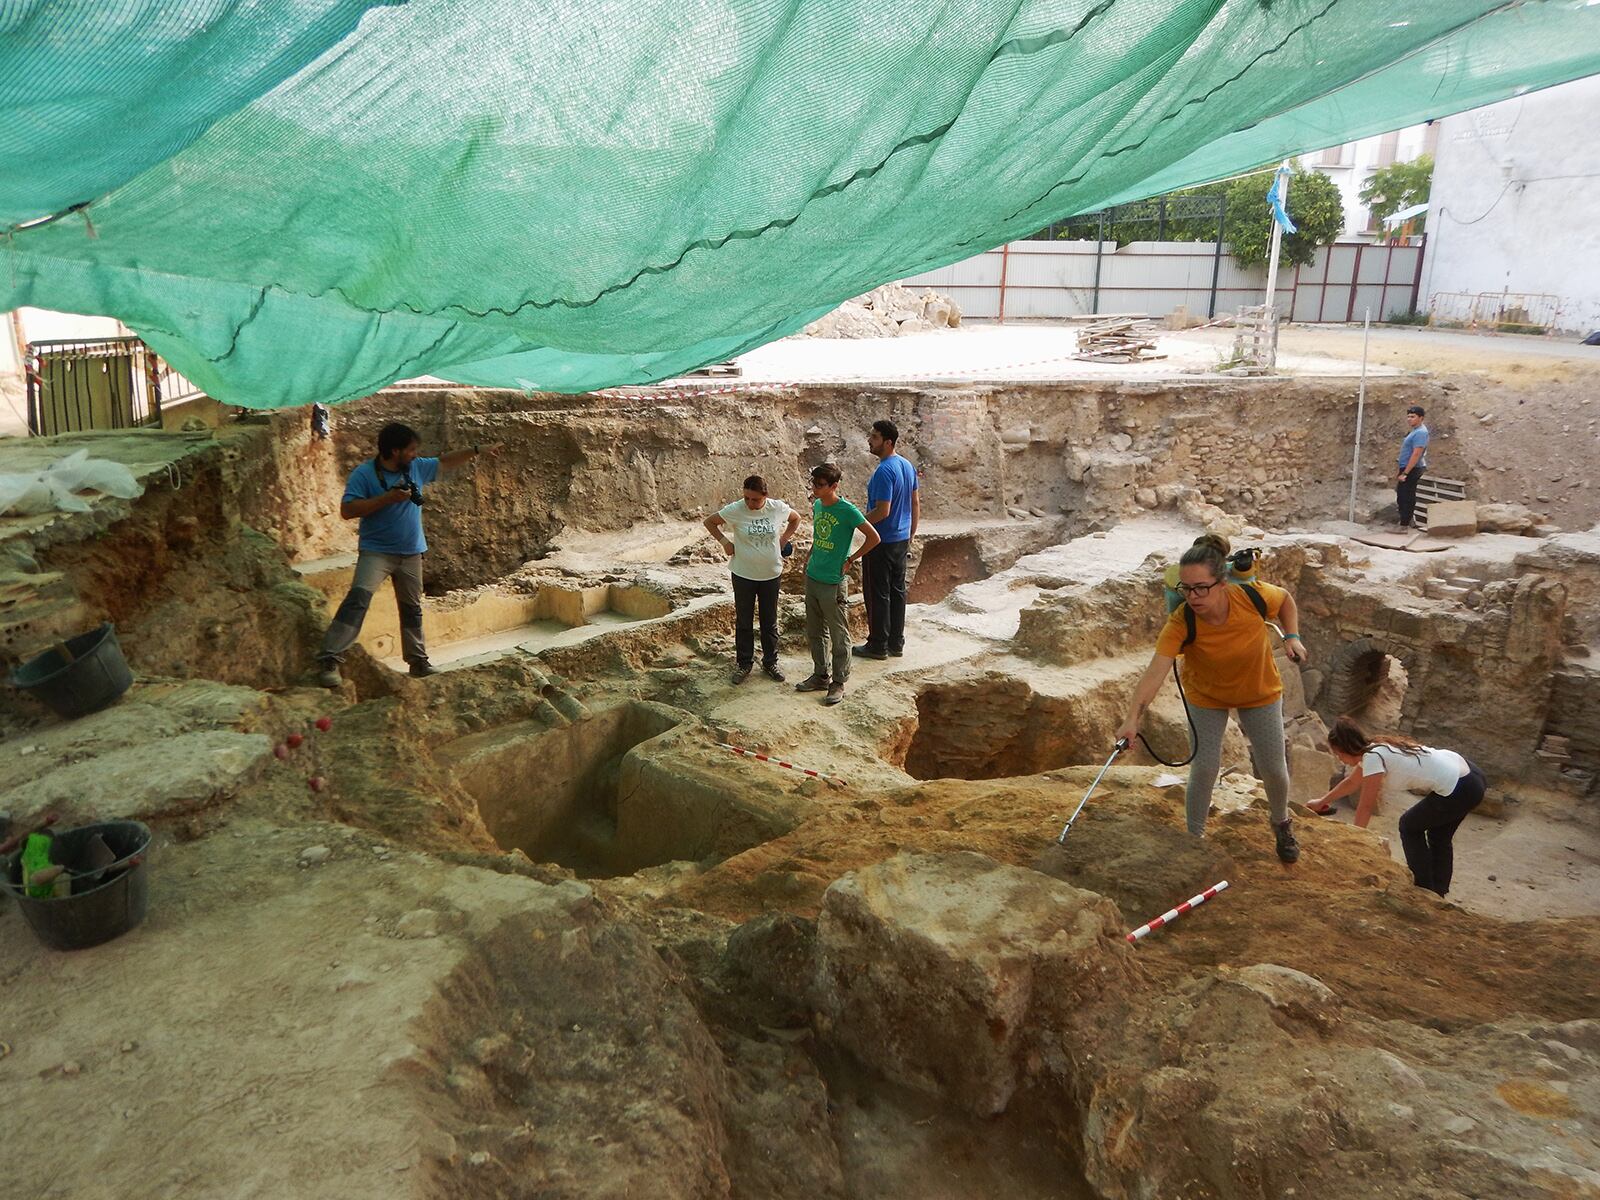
x=1346 y=913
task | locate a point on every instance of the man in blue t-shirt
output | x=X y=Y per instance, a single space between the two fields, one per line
x=893 y=509
x=385 y=495
x=1413 y=461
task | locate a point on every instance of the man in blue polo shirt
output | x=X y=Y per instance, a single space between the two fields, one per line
x=1413 y=461
x=893 y=510
x=385 y=495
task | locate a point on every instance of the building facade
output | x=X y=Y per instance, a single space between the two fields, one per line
x=1512 y=232
x=1351 y=165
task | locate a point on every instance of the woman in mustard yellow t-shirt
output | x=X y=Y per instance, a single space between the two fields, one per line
x=1229 y=665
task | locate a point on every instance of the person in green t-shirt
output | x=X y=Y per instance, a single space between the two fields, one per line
x=833 y=526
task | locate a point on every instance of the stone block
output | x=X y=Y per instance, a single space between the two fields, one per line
x=1310 y=773
x=931 y=969
x=1506 y=518
x=1294 y=692
x=1452 y=518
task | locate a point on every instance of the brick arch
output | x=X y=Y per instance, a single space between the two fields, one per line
x=1354 y=673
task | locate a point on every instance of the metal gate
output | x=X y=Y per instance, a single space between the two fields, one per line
x=97 y=383
x=1346 y=279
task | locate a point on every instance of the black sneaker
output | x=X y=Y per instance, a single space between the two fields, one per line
x=422 y=669
x=814 y=683
x=1288 y=848
x=740 y=674
x=770 y=670
x=897 y=651
x=869 y=652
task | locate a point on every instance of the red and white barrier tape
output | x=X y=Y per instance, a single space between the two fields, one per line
x=1174 y=914
x=767 y=758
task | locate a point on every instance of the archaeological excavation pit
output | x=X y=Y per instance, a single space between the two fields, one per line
x=555 y=791
x=999 y=726
x=946 y=564
x=605 y=793
x=682 y=976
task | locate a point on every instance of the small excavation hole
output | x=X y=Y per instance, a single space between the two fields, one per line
x=554 y=793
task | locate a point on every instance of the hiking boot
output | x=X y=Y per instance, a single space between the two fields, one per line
x=329 y=676
x=897 y=651
x=835 y=693
x=869 y=651
x=770 y=670
x=422 y=668
x=1288 y=848
x=740 y=674
x=813 y=683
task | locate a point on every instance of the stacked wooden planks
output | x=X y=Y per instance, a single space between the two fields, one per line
x=1118 y=340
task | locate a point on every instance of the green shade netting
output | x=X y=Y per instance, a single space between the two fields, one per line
x=296 y=201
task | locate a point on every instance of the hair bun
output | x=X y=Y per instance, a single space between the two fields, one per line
x=1216 y=541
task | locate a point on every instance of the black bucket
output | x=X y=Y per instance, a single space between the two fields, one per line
x=87 y=677
x=95 y=912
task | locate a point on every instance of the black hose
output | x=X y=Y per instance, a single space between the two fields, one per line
x=1194 y=734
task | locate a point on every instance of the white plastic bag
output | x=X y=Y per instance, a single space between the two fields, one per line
x=77 y=472
x=25 y=494
x=56 y=487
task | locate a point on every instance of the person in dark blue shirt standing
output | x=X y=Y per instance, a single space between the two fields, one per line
x=1413 y=461
x=385 y=495
x=893 y=510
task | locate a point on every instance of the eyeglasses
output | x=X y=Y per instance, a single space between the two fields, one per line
x=1195 y=589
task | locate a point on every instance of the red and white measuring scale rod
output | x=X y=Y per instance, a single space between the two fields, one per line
x=1174 y=914
x=767 y=758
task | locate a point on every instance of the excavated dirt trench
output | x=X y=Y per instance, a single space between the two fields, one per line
x=769 y=986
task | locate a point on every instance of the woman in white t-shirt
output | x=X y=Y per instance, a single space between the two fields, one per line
x=1389 y=765
x=762 y=534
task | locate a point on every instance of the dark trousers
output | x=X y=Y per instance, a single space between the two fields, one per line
x=1405 y=494
x=745 y=594
x=883 y=578
x=1428 y=825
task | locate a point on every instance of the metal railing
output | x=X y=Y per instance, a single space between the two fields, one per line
x=1517 y=312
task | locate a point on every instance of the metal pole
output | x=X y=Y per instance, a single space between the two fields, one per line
x=21 y=341
x=1099 y=245
x=1067 y=828
x=1216 y=261
x=1361 y=409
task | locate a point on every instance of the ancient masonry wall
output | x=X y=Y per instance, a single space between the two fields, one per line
x=1270 y=450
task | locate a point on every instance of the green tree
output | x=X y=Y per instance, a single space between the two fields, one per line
x=1314 y=207
x=1398 y=186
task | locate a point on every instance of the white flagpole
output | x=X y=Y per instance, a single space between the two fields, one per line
x=1277 y=244
x=1361 y=409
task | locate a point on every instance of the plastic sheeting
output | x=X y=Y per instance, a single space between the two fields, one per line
x=299 y=201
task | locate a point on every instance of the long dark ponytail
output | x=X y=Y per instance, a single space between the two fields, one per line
x=1348 y=736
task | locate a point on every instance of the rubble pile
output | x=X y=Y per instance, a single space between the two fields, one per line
x=887 y=311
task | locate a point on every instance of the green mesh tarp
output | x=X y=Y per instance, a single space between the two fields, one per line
x=298 y=200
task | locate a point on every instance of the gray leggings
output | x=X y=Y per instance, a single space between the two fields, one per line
x=1264 y=727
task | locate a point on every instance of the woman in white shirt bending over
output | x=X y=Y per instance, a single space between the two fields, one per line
x=1389 y=764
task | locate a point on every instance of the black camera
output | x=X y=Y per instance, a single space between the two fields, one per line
x=416 y=493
